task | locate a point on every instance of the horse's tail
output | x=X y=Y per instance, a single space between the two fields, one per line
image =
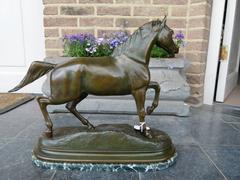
x=35 y=71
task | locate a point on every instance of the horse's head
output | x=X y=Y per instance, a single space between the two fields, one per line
x=165 y=38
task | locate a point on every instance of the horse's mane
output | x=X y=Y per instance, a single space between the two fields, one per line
x=123 y=47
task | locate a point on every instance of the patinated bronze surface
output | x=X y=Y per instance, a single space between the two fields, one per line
x=125 y=72
x=108 y=143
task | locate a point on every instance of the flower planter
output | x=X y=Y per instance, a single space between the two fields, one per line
x=169 y=73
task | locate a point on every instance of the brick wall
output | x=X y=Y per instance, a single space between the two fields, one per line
x=192 y=17
x=197 y=34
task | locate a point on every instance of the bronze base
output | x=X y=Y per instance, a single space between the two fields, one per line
x=108 y=143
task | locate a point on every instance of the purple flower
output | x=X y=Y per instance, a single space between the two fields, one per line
x=179 y=36
x=92 y=46
x=117 y=38
x=179 y=39
x=81 y=38
x=100 y=41
x=89 y=37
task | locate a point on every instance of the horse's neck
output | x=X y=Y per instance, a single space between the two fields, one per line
x=140 y=49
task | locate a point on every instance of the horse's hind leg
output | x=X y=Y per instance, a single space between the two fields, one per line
x=156 y=87
x=43 y=102
x=71 y=106
x=139 y=96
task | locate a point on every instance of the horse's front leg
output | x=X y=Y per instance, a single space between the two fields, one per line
x=156 y=87
x=139 y=96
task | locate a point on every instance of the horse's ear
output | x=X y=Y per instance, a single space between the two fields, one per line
x=164 y=20
x=163 y=23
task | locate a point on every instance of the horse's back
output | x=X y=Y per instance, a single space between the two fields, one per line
x=107 y=77
x=98 y=76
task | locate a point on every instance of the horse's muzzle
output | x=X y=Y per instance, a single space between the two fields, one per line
x=176 y=50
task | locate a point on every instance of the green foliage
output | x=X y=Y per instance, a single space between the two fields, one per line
x=103 y=50
x=158 y=52
x=75 y=49
x=86 y=45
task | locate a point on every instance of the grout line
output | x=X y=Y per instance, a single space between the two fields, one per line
x=78 y=22
x=53 y=175
x=230 y=124
x=20 y=132
x=116 y=16
x=132 y=11
x=221 y=145
x=10 y=140
x=212 y=161
x=110 y=5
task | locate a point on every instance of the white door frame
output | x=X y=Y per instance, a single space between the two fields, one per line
x=33 y=46
x=213 y=51
x=227 y=82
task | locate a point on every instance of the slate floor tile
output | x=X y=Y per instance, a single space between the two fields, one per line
x=230 y=118
x=237 y=126
x=32 y=132
x=231 y=110
x=16 y=152
x=199 y=113
x=25 y=171
x=77 y=175
x=16 y=161
x=197 y=128
x=191 y=164
x=227 y=159
x=177 y=128
x=21 y=127
x=18 y=119
x=4 y=141
x=11 y=130
x=220 y=108
x=214 y=133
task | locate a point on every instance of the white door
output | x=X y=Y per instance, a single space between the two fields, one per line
x=228 y=70
x=21 y=41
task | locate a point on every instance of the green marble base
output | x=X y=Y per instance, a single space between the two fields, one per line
x=112 y=167
x=107 y=144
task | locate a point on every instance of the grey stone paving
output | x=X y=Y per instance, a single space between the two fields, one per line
x=207 y=142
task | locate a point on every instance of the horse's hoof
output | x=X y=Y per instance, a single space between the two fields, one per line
x=148 y=134
x=149 y=110
x=91 y=127
x=49 y=134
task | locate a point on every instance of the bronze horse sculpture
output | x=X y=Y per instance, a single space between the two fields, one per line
x=124 y=72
